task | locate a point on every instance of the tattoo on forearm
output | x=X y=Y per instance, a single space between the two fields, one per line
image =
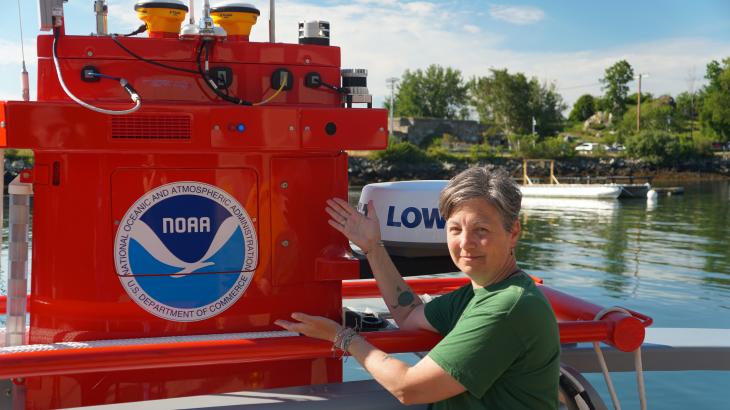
x=386 y=357
x=405 y=298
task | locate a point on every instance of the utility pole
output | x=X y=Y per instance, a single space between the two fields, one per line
x=638 y=101
x=392 y=81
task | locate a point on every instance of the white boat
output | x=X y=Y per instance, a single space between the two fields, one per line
x=557 y=190
x=571 y=191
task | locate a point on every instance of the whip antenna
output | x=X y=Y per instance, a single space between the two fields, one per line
x=24 y=73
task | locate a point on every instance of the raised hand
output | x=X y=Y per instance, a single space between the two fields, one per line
x=363 y=231
x=317 y=327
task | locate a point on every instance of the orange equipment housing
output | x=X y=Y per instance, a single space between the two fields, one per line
x=279 y=161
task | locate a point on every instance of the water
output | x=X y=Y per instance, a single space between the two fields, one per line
x=669 y=259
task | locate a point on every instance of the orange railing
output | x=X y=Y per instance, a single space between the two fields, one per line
x=575 y=316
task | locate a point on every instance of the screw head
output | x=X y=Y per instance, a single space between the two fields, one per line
x=381 y=129
x=284 y=185
x=89 y=53
x=285 y=243
x=2 y=124
x=307 y=129
x=291 y=128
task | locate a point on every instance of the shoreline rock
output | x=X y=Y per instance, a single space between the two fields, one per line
x=364 y=170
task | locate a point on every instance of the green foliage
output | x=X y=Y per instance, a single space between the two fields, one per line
x=441 y=154
x=25 y=155
x=510 y=101
x=583 y=109
x=615 y=84
x=402 y=152
x=655 y=115
x=479 y=152
x=436 y=92
x=645 y=98
x=715 y=111
x=687 y=106
x=661 y=147
x=530 y=146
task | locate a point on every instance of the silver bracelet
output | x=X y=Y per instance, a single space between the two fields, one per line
x=343 y=338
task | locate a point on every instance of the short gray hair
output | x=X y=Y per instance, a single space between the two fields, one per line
x=494 y=186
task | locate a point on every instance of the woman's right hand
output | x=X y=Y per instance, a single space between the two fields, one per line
x=363 y=231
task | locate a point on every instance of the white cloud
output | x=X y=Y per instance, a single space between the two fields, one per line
x=12 y=54
x=420 y=7
x=471 y=29
x=520 y=15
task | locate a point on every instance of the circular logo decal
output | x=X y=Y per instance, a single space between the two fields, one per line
x=186 y=251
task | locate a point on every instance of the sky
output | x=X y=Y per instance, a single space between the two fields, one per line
x=566 y=42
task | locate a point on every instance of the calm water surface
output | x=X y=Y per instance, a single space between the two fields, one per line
x=669 y=259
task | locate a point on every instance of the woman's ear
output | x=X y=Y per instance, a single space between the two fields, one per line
x=515 y=233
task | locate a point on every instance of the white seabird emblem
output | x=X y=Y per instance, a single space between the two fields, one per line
x=149 y=240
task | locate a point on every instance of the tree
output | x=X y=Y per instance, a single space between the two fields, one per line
x=511 y=101
x=501 y=99
x=615 y=84
x=715 y=111
x=547 y=107
x=660 y=147
x=583 y=108
x=436 y=92
x=645 y=98
x=687 y=106
x=658 y=114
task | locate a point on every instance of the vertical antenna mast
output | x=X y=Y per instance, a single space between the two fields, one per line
x=101 y=23
x=272 y=22
x=24 y=73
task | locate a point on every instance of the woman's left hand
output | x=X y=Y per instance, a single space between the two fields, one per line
x=317 y=327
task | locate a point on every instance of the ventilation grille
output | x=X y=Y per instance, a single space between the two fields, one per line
x=157 y=127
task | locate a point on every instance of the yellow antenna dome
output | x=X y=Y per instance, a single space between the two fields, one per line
x=162 y=17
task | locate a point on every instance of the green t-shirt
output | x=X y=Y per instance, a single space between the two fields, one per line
x=501 y=343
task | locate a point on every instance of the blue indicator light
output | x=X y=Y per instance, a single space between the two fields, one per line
x=240 y=127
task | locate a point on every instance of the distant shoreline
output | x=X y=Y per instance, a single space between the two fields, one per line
x=365 y=170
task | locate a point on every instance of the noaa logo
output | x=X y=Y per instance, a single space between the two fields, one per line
x=186 y=251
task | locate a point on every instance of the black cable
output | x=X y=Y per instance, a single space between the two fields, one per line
x=184 y=70
x=209 y=81
x=141 y=29
x=109 y=77
x=333 y=87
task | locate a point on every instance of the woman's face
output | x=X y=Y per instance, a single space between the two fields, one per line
x=477 y=240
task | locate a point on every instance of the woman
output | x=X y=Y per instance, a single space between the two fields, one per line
x=501 y=345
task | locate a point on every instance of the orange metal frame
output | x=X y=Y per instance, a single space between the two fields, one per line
x=625 y=332
x=280 y=161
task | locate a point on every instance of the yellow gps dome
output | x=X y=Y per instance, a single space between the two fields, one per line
x=235 y=18
x=162 y=17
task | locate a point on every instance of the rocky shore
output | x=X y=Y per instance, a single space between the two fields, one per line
x=364 y=170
